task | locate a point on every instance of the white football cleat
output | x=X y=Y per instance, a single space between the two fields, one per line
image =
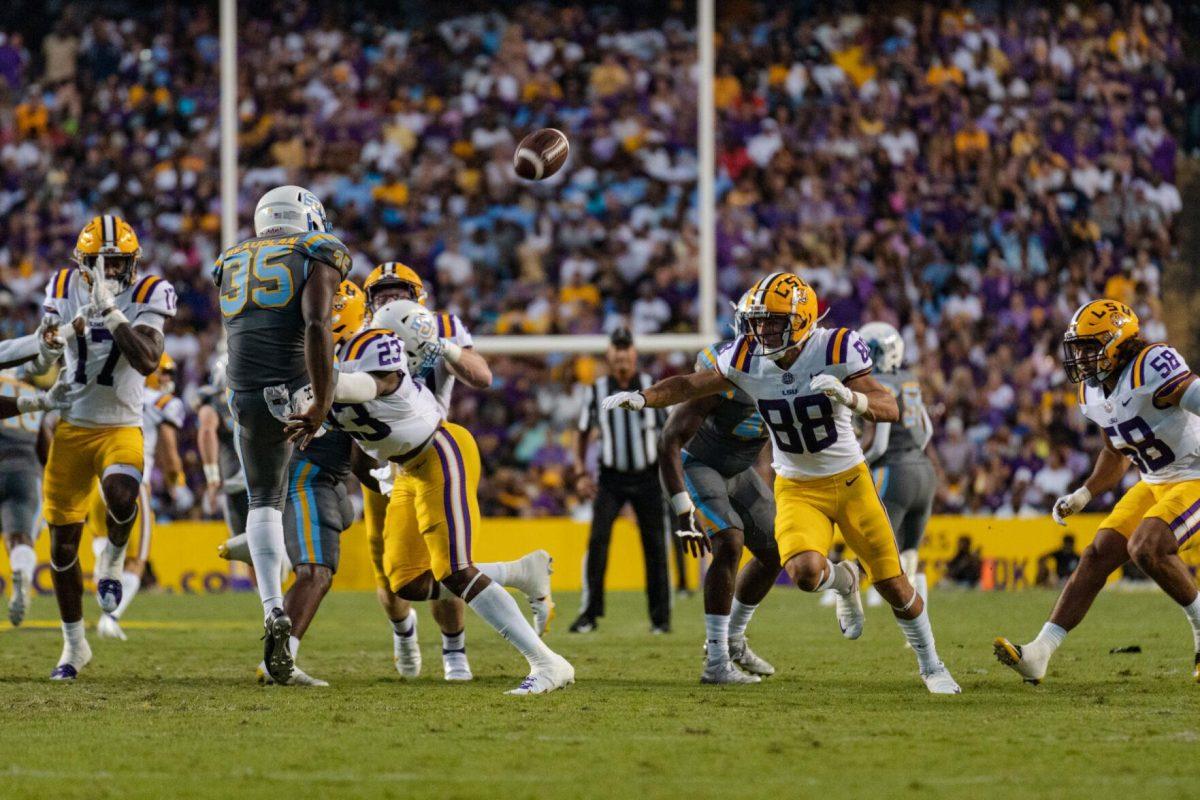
x=406 y=651
x=741 y=654
x=1028 y=662
x=531 y=574
x=108 y=579
x=940 y=681
x=850 y=614
x=299 y=677
x=18 y=604
x=71 y=662
x=107 y=627
x=546 y=678
x=724 y=673
x=455 y=665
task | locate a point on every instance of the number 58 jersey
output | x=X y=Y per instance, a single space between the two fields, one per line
x=112 y=393
x=1163 y=441
x=811 y=435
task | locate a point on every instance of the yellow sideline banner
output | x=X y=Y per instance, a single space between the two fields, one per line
x=184 y=554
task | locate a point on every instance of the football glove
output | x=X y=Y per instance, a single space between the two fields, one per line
x=50 y=345
x=1070 y=504
x=60 y=396
x=102 y=296
x=693 y=540
x=832 y=388
x=634 y=401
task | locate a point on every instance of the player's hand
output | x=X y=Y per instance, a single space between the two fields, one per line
x=50 y=344
x=634 y=401
x=693 y=540
x=102 y=296
x=79 y=324
x=183 y=498
x=304 y=426
x=832 y=388
x=208 y=501
x=1070 y=504
x=585 y=486
x=60 y=396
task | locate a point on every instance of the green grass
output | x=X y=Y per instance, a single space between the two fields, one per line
x=174 y=712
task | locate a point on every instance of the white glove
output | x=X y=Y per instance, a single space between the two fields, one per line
x=1070 y=504
x=60 y=397
x=430 y=349
x=183 y=498
x=832 y=388
x=50 y=345
x=634 y=401
x=102 y=296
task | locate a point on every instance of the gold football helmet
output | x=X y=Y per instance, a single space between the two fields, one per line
x=1094 y=337
x=109 y=240
x=349 y=310
x=163 y=378
x=397 y=276
x=779 y=313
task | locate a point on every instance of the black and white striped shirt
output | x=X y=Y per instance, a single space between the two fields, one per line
x=628 y=439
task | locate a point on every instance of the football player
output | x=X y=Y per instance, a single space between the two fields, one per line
x=224 y=479
x=447 y=354
x=707 y=453
x=117 y=319
x=807 y=381
x=433 y=510
x=903 y=464
x=276 y=295
x=1146 y=401
x=163 y=415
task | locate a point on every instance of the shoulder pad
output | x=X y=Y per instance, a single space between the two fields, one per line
x=1156 y=363
x=59 y=287
x=325 y=248
x=740 y=353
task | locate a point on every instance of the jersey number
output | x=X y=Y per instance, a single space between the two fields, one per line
x=358 y=423
x=805 y=425
x=259 y=277
x=105 y=378
x=1136 y=439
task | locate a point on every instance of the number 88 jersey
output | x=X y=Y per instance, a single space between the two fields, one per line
x=811 y=435
x=1163 y=441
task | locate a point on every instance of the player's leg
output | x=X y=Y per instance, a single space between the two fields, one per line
x=754 y=504
x=605 y=508
x=895 y=487
x=864 y=523
x=911 y=530
x=137 y=554
x=19 y=492
x=650 y=513
x=391 y=526
x=450 y=615
x=448 y=512
x=117 y=460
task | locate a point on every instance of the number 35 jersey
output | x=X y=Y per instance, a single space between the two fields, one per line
x=811 y=435
x=1163 y=441
x=260 y=282
x=390 y=425
x=112 y=393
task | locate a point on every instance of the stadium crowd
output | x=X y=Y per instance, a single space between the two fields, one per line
x=968 y=178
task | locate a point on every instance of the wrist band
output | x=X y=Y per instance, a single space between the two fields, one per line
x=451 y=351
x=861 y=403
x=113 y=318
x=681 y=503
x=212 y=473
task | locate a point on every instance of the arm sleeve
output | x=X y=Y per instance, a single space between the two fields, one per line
x=588 y=413
x=20 y=348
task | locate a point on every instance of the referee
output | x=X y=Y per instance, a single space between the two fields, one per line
x=628 y=474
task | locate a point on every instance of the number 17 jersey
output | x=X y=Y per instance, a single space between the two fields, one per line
x=1163 y=441
x=811 y=435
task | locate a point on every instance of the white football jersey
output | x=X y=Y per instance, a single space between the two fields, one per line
x=811 y=435
x=112 y=396
x=158 y=408
x=393 y=424
x=1164 y=442
x=441 y=379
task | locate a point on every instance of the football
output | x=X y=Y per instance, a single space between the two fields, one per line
x=541 y=154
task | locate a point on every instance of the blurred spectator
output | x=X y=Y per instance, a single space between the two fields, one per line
x=965 y=566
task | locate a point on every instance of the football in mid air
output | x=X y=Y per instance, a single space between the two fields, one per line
x=541 y=154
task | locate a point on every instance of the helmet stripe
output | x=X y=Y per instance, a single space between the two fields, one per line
x=110 y=231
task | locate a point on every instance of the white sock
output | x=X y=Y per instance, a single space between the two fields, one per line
x=499 y=571
x=294 y=646
x=838 y=577
x=1192 y=610
x=112 y=558
x=454 y=642
x=406 y=627
x=1050 y=638
x=716 y=637
x=23 y=561
x=739 y=618
x=919 y=634
x=921 y=584
x=501 y=611
x=73 y=641
x=264 y=533
x=130 y=583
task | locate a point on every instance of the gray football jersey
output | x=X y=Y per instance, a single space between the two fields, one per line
x=18 y=435
x=260 y=283
x=731 y=437
x=908 y=436
x=330 y=452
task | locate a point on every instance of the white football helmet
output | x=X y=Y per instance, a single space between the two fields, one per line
x=289 y=209
x=417 y=328
x=887 y=346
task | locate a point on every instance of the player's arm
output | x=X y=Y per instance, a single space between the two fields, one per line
x=875 y=439
x=1107 y=472
x=361 y=465
x=682 y=423
x=208 y=443
x=167 y=456
x=467 y=365
x=316 y=307
x=1183 y=391
x=14 y=352
x=141 y=345
x=671 y=391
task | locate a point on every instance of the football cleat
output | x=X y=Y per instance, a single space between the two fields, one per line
x=547 y=677
x=455 y=665
x=741 y=654
x=406 y=651
x=71 y=662
x=18 y=604
x=724 y=673
x=850 y=614
x=531 y=575
x=939 y=681
x=1022 y=659
x=107 y=627
x=582 y=624
x=299 y=677
x=277 y=655
x=108 y=594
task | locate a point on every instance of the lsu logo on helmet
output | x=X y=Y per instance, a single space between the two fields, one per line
x=1093 y=340
x=779 y=313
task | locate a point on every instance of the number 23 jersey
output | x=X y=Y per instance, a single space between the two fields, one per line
x=112 y=394
x=1163 y=441
x=389 y=425
x=811 y=435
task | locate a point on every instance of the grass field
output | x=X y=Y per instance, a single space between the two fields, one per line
x=175 y=712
